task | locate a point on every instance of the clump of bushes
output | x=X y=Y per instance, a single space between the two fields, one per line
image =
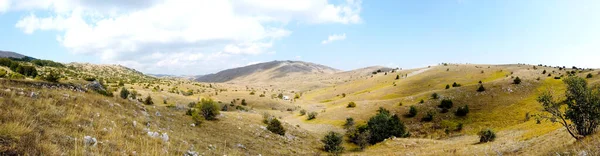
x=385 y=125
x=486 y=136
x=351 y=105
x=462 y=111
x=456 y=85
x=275 y=126
x=209 y=109
x=589 y=76
x=312 y=115
x=333 y=142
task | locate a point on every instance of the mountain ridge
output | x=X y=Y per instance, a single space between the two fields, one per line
x=271 y=70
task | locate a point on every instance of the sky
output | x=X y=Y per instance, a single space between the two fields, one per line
x=194 y=37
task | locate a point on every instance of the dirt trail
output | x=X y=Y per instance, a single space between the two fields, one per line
x=417 y=72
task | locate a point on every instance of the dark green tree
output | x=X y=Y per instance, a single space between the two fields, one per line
x=333 y=142
x=276 y=127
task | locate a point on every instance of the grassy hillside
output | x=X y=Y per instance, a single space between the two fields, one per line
x=60 y=118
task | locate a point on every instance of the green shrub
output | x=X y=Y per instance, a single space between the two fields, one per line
x=124 y=93
x=276 y=127
x=2 y=73
x=209 y=109
x=517 y=80
x=302 y=112
x=589 y=76
x=384 y=125
x=486 y=136
x=52 y=76
x=455 y=84
x=333 y=142
x=349 y=123
x=428 y=117
x=412 y=112
x=244 y=102
x=351 y=105
x=312 y=115
x=435 y=96
x=422 y=101
x=462 y=111
x=447 y=86
x=198 y=119
x=481 y=88
x=148 y=100
x=446 y=104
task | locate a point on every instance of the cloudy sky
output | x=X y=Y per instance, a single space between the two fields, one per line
x=203 y=36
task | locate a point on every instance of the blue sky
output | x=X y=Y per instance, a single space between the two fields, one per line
x=403 y=33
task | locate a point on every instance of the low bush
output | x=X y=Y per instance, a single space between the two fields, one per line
x=312 y=115
x=351 y=105
x=412 y=112
x=462 y=111
x=276 y=127
x=486 y=136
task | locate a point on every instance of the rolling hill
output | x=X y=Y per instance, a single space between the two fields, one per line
x=64 y=118
x=267 y=71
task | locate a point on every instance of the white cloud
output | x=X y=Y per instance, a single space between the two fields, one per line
x=155 y=35
x=334 y=37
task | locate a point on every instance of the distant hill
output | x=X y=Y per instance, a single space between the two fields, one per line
x=10 y=54
x=267 y=71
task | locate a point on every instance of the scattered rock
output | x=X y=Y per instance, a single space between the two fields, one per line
x=165 y=137
x=212 y=147
x=157 y=113
x=90 y=141
x=153 y=134
x=33 y=95
x=193 y=125
x=134 y=123
x=191 y=153
x=241 y=146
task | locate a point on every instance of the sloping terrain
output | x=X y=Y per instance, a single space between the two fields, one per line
x=68 y=118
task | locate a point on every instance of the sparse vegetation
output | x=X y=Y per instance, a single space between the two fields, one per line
x=428 y=117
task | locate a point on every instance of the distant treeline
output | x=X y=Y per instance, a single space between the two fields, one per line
x=16 y=67
x=30 y=71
